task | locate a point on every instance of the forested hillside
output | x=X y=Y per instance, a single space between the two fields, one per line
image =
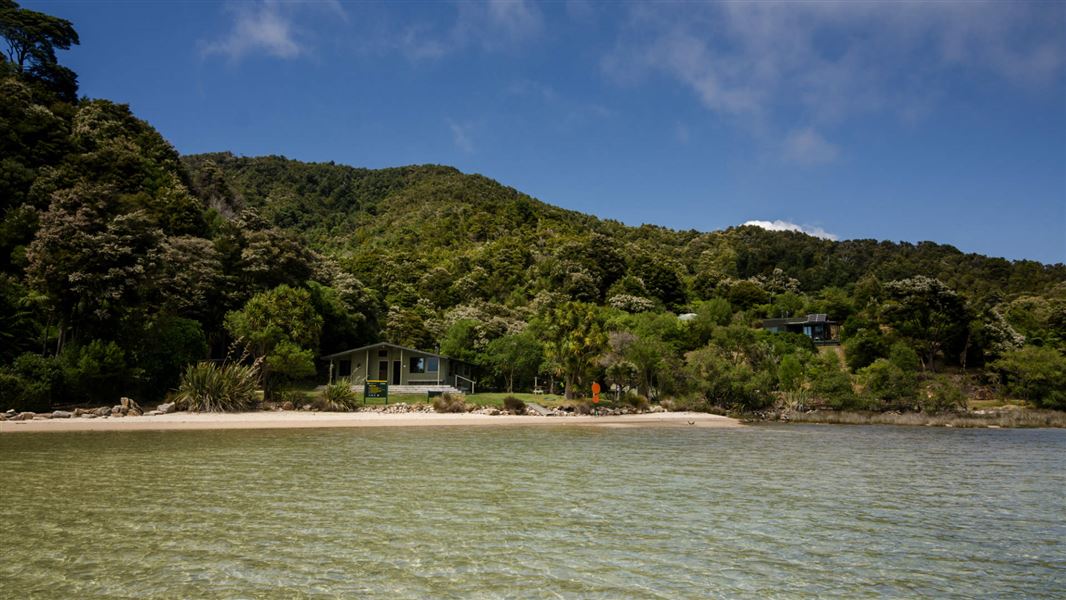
x=123 y=262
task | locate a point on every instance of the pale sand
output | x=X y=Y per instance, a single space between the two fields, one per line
x=301 y=420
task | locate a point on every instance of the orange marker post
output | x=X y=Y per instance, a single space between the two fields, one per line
x=595 y=393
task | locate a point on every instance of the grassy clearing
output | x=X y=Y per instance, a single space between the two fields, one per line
x=496 y=399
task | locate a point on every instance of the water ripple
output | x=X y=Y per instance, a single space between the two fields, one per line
x=765 y=512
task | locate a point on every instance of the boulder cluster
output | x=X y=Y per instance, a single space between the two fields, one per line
x=126 y=407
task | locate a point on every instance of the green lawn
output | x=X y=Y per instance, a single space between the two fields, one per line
x=308 y=392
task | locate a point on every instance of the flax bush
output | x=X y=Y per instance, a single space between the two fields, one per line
x=214 y=387
x=338 y=397
x=450 y=403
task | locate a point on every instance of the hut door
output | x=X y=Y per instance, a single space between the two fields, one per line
x=395 y=372
x=383 y=370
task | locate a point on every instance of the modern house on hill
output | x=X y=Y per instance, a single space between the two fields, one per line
x=817 y=327
x=406 y=370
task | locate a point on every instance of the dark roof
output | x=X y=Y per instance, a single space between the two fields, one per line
x=361 y=348
x=817 y=318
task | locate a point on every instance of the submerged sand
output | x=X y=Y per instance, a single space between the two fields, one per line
x=302 y=420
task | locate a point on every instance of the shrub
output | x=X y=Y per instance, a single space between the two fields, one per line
x=170 y=344
x=98 y=370
x=1035 y=374
x=637 y=401
x=450 y=403
x=790 y=373
x=32 y=382
x=514 y=405
x=211 y=387
x=864 y=349
x=904 y=357
x=889 y=385
x=338 y=397
x=295 y=397
x=942 y=395
x=832 y=384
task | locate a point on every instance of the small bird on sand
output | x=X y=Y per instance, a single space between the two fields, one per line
x=691 y=422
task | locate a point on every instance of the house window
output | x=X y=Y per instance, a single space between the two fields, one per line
x=383 y=353
x=418 y=365
x=432 y=364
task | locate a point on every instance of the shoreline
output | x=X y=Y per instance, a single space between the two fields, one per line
x=184 y=421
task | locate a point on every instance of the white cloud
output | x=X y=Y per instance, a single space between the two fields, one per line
x=461 y=136
x=266 y=28
x=775 y=66
x=492 y=25
x=808 y=147
x=789 y=226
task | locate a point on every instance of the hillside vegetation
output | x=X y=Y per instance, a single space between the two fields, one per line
x=121 y=263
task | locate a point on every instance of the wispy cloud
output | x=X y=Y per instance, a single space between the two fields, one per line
x=492 y=26
x=792 y=71
x=789 y=226
x=461 y=136
x=267 y=28
x=808 y=147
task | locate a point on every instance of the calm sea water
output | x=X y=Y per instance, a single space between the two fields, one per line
x=788 y=512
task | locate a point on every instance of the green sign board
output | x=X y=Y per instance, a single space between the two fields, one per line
x=376 y=389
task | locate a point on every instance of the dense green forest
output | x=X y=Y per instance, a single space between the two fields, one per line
x=122 y=262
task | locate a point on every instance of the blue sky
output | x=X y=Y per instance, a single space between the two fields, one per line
x=938 y=121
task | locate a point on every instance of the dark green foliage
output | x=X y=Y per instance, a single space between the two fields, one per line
x=1035 y=374
x=930 y=315
x=32 y=40
x=280 y=327
x=864 y=348
x=790 y=373
x=727 y=380
x=888 y=385
x=121 y=259
x=746 y=294
x=516 y=357
x=32 y=382
x=942 y=394
x=169 y=345
x=514 y=405
x=98 y=370
x=831 y=384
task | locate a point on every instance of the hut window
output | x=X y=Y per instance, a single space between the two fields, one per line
x=432 y=364
x=418 y=365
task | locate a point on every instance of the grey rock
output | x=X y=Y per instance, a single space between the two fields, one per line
x=166 y=408
x=62 y=414
x=102 y=411
x=117 y=410
x=287 y=405
x=135 y=412
x=25 y=416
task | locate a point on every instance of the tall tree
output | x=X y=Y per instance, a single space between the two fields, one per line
x=575 y=338
x=928 y=313
x=516 y=356
x=282 y=327
x=32 y=39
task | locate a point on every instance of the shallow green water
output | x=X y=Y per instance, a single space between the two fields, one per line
x=799 y=511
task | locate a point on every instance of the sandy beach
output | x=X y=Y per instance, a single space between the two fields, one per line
x=302 y=420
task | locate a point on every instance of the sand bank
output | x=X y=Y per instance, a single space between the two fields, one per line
x=301 y=420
